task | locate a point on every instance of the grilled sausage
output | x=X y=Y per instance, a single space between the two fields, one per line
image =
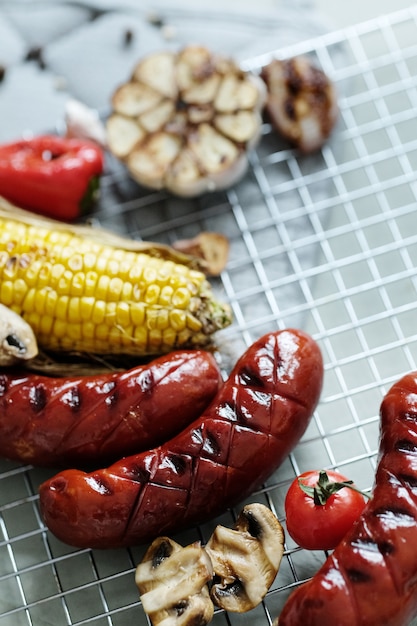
x=91 y=420
x=370 y=578
x=247 y=431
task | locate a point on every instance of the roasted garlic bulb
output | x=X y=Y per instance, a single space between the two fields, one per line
x=185 y=121
x=302 y=102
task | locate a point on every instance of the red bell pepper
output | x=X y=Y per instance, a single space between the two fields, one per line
x=55 y=176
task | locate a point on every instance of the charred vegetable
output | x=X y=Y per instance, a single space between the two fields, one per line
x=302 y=102
x=81 y=289
x=172 y=583
x=185 y=120
x=245 y=559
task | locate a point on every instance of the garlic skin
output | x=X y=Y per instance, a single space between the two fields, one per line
x=18 y=342
x=82 y=122
x=186 y=120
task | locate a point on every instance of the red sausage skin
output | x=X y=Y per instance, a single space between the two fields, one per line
x=371 y=577
x=93 y=420
x=250 y=427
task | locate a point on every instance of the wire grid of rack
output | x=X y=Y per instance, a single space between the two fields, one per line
x=327 y=243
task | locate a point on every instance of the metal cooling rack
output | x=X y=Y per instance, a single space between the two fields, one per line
x=327 y=243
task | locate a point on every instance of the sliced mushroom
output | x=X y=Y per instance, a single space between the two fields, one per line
x=172 y=582
x=245 y=559
x=18 y=341
x=185 y=121
x=301 y=102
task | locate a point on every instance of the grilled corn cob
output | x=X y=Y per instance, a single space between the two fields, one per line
x=80 y=294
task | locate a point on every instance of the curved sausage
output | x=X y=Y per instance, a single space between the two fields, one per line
x=370 y=578
x=247 y=431
x=91 y=420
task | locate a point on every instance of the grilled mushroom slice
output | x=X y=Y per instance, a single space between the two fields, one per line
x=301 y=102
x=172 y=582
x=211 y=247
x=245 y=559
x=185 y=120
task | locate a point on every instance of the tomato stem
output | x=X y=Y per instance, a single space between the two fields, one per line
x=324 y=488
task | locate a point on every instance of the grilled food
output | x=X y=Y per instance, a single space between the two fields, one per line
x=83 y=290
x=185 y=120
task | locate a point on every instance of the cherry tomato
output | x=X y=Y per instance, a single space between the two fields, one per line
x=320 y=508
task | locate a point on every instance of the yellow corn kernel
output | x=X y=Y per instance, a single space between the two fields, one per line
x=91 y=279
x=141 y=335
x=162 y=319
x=46 y=324
x=51 y=301
x=115 y=338
x=165 y=296
x=64 y=283
x=61 y=308
x=102 y=287
x=115 y=288
x=20 y=290
x=57 y=270
x=137 y=311
x=152 y=294
x=88 y=330
x=87 y=304
x=181 y=297
x=40 y=301
x=113 y=267
x=126 y=335
x=102 y=331
x=151 y=315
x=59 y=328
x=193 y=323
x=155 y=337
x=28 y=303
x=177 y=320
x=169 y=336
x=110 y=314
x=76 y=262
x=6 y=292
x=31 y=273
x=122 y=314
x=135 y=273
x=73 y=331
x=77 y=284
x=99 y=312
x=74 y=312
x=44 y=276
x=149 y=275
x=127 y=291
x=33 y=319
